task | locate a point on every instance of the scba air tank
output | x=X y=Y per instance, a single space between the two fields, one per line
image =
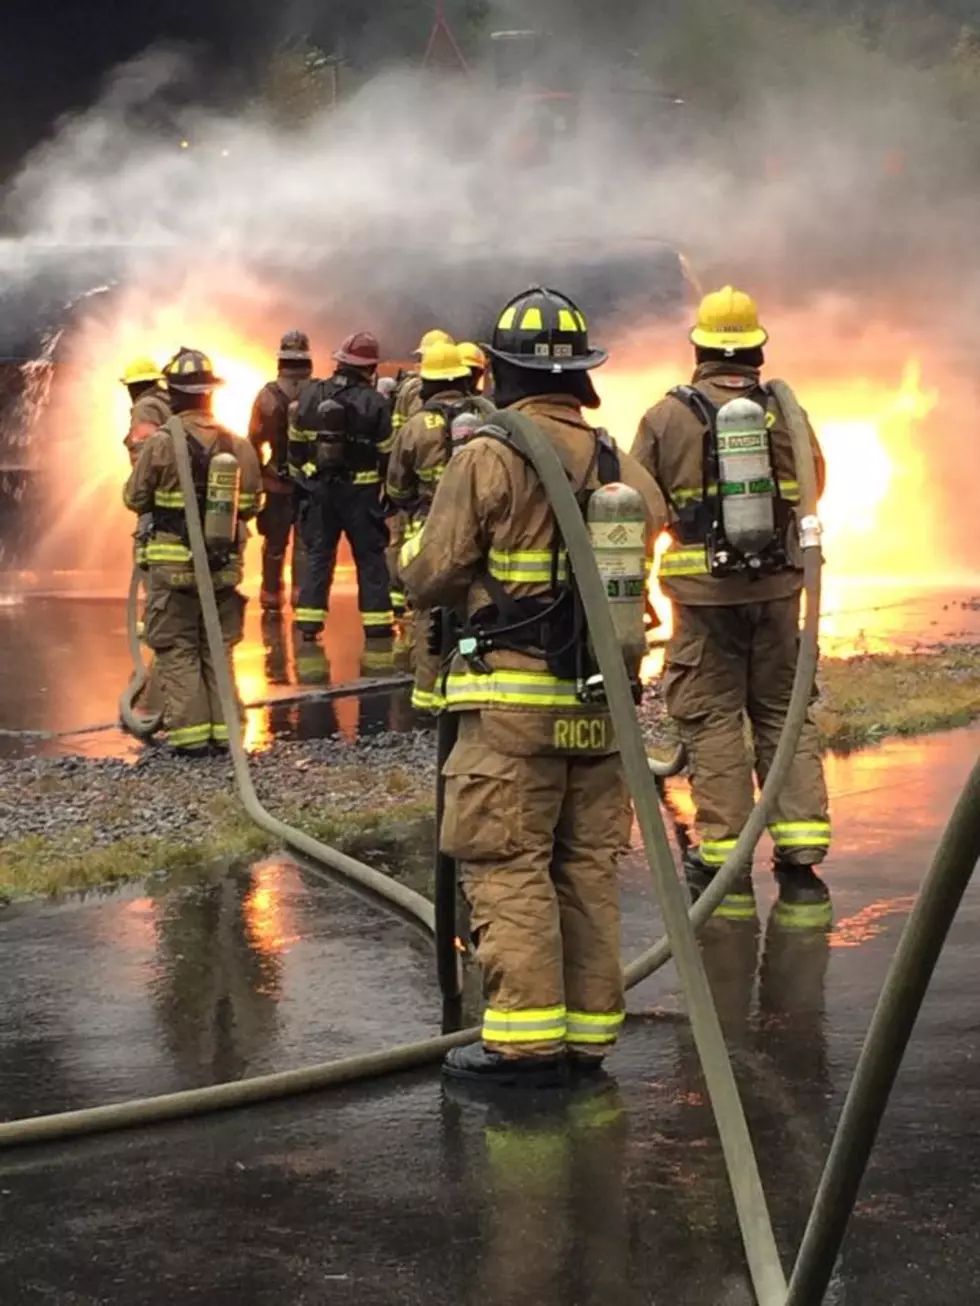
x=221 y=499
x=616 y=518
x=745 y=477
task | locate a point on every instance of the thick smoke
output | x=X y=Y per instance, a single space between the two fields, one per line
x=833 y=190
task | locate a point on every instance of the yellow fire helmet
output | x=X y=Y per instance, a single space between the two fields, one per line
x=472 y=355
x=434 y=337
x=728 y=319
x=443 y=362
x=141 y=370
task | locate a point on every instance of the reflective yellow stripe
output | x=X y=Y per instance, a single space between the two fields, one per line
x=315 y=615
x=800 y=834
x=531 y=565
x=536 y=1025
x=714 y=852
x=736 y=907
x=411 y=549
x=513 y=688
x=397 y=422
x=683 y=497
x=684 y=561
x=246 y=501
x=157 y=552
x=367 y=478
x=398 y=598
x=377 y=618
x=430 y=474
x=531 y=320
x=804 y=915
x=188 y=736
x=426 y=701
x=790 y=490
x=168 y=498
x=219 y=732
x=386 y=445
x=589 y=1027
x=298 y=436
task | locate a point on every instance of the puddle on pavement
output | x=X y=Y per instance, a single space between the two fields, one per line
x=616 y=1196
x=64 y=663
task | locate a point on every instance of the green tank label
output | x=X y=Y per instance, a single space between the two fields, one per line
x=742 y=442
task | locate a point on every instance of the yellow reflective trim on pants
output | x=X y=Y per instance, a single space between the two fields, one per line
x=316 y=615
x=398 y=598
x=713 y=852
x=800 y=834
x=536 y=1025
x=247 y=500
x=219 y=733
x=298 y=436
x=513 y=688
x=168 y=498
x=366 y=478
x=411 y=549
x=190 y=736
x=425 y=701
x=377 y=618
x=593 y=1027
x=685 y=561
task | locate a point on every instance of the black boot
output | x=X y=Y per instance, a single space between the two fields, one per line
x=737 y=905
x=804 y=900
x=477 y=1064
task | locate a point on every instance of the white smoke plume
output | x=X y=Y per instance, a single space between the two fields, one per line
x=415 y=201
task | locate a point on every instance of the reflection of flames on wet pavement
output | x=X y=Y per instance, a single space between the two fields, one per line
x=269 y=926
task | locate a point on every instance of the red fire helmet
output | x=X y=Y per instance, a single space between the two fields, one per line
x=359 y=350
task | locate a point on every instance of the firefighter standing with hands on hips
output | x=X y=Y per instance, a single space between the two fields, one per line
x=268 y=434
x=537 y=807
x=338 y=454
x=227 y=483
x=721 y=452
x=418 y=459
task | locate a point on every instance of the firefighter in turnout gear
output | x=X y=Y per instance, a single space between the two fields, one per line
x=150 y=409
x=268 y=434
x=338 y=454
x=406 y=399
x=174 y=624
x=418 y=459
x=721 y=452
x=537 y=807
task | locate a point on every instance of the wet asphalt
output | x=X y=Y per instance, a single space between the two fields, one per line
x=400 y=1192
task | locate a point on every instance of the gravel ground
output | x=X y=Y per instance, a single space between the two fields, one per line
x=168 y=797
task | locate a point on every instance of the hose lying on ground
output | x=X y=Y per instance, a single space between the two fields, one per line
x=750 y=1200
x=891 y=1027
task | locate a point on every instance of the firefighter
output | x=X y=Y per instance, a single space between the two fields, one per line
x=418 y=459
x=338 y=454
x=150 y=409
x=476 y=360
x=736 y=610
x=268 y=434
x=537 y=808
x=406 y=402
x=174 y=625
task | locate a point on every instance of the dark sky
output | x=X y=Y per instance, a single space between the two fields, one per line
x=54 y=53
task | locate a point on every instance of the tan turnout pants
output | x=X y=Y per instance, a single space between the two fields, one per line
x=537 y=841
x=726 y=665
x=184 y=670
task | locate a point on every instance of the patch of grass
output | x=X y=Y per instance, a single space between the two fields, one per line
x=43 y=866
x=866 y=699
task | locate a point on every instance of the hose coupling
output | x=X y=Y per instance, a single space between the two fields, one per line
x=811 y=532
